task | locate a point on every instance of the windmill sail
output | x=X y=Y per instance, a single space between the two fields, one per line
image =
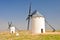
x=9 y=24
x=28 y=18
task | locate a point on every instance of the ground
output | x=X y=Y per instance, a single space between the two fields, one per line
x=26 y=35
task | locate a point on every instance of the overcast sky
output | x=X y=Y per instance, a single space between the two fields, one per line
x=17 y=12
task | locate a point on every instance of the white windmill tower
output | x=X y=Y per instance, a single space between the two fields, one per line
x=38 y=23
x=11 y=28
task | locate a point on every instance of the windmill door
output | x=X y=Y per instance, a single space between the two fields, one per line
x=41 y=30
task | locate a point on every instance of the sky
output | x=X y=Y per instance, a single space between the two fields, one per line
x=17 y=12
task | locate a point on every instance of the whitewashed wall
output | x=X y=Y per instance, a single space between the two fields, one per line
x=12 y=29
x=38 y=23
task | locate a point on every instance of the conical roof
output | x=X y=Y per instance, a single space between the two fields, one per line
x=36 y=14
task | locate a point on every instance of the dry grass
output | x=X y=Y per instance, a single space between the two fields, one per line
x=26 y=35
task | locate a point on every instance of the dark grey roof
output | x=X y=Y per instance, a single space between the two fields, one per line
x=36 y=13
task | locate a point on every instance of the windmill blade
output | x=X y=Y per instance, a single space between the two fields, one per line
x=28 y=24
x=27 y=18
x=9 y=24
x=30 y=9
x=33 y=13
x=50 y=26
x=29 y=12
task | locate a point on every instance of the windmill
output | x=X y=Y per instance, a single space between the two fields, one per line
x=30 y=16
x=11 y=28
